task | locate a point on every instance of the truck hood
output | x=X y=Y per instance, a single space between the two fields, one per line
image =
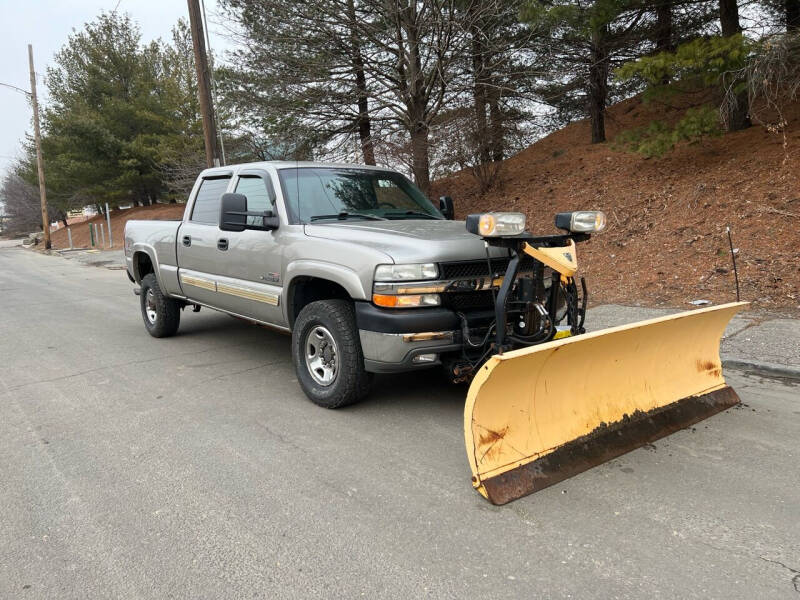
x=408 y=240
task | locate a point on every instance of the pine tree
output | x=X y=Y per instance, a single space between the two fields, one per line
x=298 y=77
x=582 y=42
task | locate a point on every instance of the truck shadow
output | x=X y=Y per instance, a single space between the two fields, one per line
x=422 y=388
x=418 y=388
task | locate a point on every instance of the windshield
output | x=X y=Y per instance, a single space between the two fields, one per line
x=330 y=194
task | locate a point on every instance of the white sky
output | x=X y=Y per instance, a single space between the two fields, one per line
x=46 y=24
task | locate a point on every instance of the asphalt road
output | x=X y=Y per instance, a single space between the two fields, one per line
x=194 y=467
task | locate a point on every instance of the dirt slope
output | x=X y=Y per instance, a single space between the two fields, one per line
x=80 y=231
x=665 y=244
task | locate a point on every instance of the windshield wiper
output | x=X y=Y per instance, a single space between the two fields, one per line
x=412 y=213
x=344 y=215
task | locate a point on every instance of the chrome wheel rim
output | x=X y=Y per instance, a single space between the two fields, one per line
x=321 y=355
x=150 y=307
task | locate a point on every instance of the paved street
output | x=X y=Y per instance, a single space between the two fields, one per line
x=194 y=467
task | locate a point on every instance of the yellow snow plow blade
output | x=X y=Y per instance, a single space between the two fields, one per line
x=539 y=415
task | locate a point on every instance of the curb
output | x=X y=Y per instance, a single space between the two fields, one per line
x=762 y=368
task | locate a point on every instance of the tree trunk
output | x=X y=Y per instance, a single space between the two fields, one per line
x=598 y=86
x=729 y=17
x=420 y=160
x=496 y=122
x=792 y=8
x=364 y=123
x=663 y=33
x=479 y=96
x=363 y=120
x=416 y=98
x=737 y=116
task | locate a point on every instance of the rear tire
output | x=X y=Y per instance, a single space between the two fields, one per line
x=327 y=354
x=161 y=314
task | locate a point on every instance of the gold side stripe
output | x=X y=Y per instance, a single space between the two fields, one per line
x=200 y=282
x=240 y=292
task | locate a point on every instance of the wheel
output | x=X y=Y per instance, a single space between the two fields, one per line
x=327 y=354
x=161 y=314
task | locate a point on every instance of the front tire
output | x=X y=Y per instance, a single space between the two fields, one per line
x=161 y=314
x=327 y=354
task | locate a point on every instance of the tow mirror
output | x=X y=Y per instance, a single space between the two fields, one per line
x=446 y=207
x=234 y=216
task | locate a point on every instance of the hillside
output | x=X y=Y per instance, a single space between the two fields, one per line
x=80 y=231
x=665 y=244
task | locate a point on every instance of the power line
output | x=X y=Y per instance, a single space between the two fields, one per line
x=18 y=89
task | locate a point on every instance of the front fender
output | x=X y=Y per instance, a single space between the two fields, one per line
x=344 y=276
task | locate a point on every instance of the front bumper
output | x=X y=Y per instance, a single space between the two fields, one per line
x=391 y=339
x=395 y=352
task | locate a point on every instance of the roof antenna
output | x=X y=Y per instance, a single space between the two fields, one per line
x=733 y=259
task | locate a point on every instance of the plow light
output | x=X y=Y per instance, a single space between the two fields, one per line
x=496 y=224
x=582 y=221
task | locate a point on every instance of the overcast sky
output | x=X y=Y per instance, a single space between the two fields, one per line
x=46 y=24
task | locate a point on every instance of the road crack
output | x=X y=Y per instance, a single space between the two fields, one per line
x=795 y=579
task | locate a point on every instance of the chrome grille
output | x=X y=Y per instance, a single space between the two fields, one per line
x=479 y=268
x=463 y=300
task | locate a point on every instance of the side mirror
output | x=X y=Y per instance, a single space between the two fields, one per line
x=446 y=207
x=233 y=215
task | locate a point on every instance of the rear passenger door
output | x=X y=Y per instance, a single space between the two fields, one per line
x=199 y=259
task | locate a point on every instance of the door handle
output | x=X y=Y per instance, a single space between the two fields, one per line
x=222 y=244
x=187 y=240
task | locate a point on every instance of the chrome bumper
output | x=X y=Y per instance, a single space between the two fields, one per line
x=396 y=352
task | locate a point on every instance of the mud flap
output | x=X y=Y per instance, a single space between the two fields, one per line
x=539 y=415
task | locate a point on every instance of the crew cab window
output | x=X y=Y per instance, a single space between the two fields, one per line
x=259 y=192
x=206 y=205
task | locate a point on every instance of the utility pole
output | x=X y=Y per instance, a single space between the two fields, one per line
x=203 y=87
x=39 y=161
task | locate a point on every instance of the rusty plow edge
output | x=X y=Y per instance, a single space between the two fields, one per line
x=606 y=442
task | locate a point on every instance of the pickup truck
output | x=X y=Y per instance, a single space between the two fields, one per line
x=366 y=274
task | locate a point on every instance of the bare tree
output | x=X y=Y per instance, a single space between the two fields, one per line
x=20 y=200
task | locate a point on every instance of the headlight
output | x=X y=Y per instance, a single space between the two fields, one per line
x=406 y=301
x=582 y=221
x=496 y=224
x=406 y=272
